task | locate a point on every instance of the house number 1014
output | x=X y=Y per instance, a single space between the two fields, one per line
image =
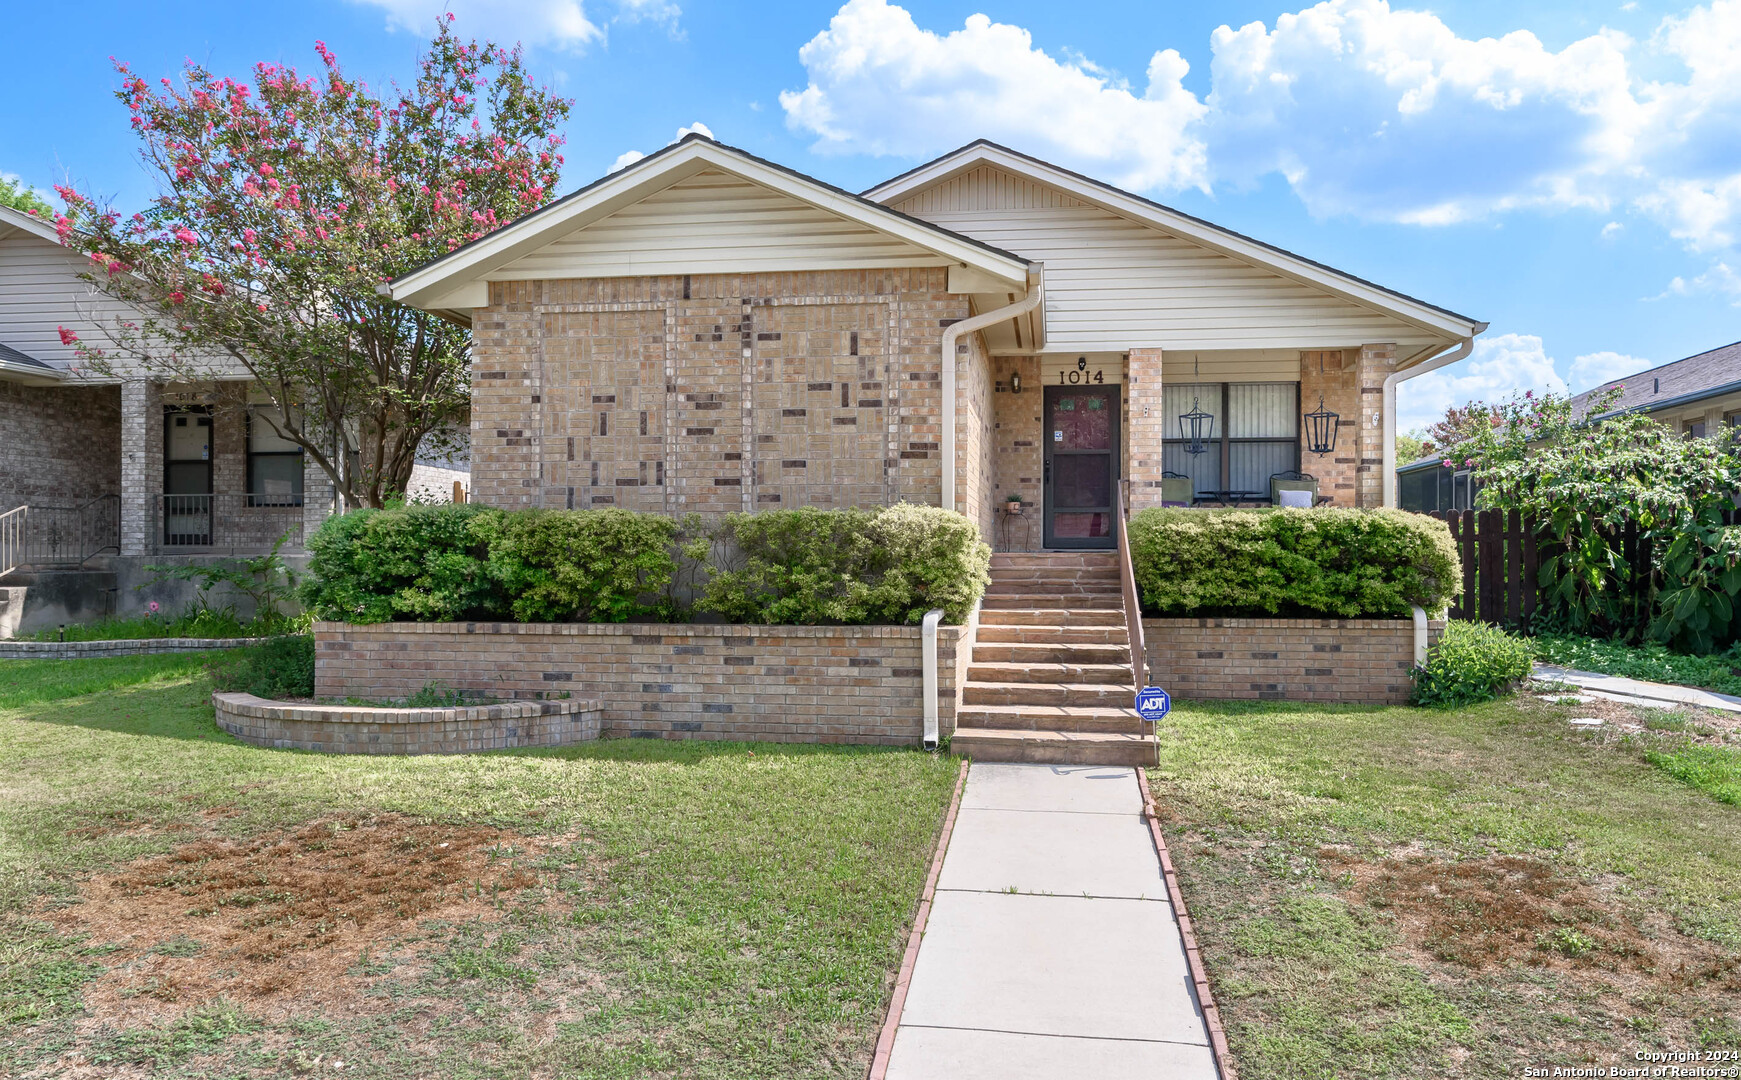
x=1080 y=374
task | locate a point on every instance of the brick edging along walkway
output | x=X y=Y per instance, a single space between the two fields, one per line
x=1193 y=958
x=903 y=979
x=77 y=650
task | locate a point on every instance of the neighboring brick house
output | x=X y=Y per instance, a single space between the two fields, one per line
x=705 y=331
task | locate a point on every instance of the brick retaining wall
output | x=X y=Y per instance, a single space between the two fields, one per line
x=346 y=729
x=1352 y=661
x=832 y=684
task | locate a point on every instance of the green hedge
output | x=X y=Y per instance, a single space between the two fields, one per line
x=468 y=562
x=1342 y=563
x=811 y=566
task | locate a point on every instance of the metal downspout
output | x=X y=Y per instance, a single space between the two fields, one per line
x=951 y=334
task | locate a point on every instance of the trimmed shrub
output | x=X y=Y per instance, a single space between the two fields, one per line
x=280 y=668
x=809 y=566
x=414 y=563
x=1472 y=662
x=451 y=563
x=582 y=566
x=1342 y=563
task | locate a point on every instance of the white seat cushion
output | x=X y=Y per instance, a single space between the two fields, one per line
x=1300 y=500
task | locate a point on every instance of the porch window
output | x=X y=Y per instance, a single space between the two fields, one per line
x=1256 y=435
x=274 y=463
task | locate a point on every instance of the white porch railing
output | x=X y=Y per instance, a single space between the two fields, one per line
x=12 y=525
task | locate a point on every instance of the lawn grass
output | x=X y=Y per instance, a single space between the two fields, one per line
x=1714 y=770
x=1652 y=662
x=1400 y=892
x=633 y=907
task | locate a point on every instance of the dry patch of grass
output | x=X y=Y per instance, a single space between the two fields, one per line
x=281 y=921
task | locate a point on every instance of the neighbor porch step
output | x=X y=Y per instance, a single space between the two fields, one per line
x=1054 y=747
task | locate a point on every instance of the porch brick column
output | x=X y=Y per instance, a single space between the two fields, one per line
x=141 y=464
x=317 y=496
x=1376 y=363
x=1146 y=424
x=1332 y=374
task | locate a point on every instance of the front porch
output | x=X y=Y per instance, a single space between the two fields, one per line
x=1201 y=428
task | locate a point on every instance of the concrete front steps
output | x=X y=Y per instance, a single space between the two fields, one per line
x=1049 y=678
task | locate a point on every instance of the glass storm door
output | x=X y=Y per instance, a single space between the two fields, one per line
x=1081 y=439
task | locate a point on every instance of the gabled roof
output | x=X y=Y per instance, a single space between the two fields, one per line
x=1704 y=375
x=1180 y=224
x=17 y=367
x=29 y=223
x=437 y=285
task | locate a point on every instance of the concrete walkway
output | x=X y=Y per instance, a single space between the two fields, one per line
x=1051 y=949
x=1639 y=692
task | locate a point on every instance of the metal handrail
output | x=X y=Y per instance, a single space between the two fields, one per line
x=12 y=525
x=1133 y=614
x=99 y=527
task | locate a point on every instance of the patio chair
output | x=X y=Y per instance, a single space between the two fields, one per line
x=1176 y=489
x=1293 y=481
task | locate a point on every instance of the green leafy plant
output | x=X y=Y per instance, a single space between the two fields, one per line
x=1651 y=661
x=1325 y=562
x=1584 y=481
x=280 y=668
x=413 y=563
x=266 y=580
x=809 y=566
x=1472 y=662
x=583 y=566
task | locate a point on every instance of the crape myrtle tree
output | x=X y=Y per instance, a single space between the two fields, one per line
x=284 y=203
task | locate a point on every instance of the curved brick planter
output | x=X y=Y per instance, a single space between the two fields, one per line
x=343 y=729
x=76 y=650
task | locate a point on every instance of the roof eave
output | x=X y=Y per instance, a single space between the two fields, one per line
x=656 y=172
x=1453 y=326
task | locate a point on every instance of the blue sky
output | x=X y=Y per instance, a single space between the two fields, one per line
x=1568 y=172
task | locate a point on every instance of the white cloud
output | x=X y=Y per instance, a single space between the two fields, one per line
x=659 y=11
x=561 y=24
x=1720 y=280
x=1367 y=110
x=1612 y=229
x=1594 y=369
x=879 y=84
x=1497 y=367
x=629 y=157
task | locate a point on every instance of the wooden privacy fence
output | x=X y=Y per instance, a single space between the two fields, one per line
x=1502 y=565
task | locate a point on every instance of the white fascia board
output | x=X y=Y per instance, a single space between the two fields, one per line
x=475 y=261
x=30 y=374
x=29 y=223
x=1209 y=236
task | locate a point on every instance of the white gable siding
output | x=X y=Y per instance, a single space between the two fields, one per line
x=1113 y=283
x=40 y=292
x=714 y=223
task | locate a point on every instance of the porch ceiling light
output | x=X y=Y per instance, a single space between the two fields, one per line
x=1321 y=429
x=1196 y=426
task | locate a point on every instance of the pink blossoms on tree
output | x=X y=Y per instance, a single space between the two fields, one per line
x=286 y=201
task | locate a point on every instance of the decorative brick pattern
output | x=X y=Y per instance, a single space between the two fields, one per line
x=78 y=650
x=711 y=393
x=1352 y=661
x=1145 y=424
x=59 y=445
x=349 y=730
x=832 y=684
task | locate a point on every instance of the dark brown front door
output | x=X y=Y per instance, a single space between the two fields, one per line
x=1081 y=439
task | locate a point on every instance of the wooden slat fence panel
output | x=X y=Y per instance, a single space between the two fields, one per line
x=1501 y=564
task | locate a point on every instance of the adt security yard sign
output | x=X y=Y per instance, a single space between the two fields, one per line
x=1152 y=703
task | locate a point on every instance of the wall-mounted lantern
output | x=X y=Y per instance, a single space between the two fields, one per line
x=1321 y=422
x=1015 y=382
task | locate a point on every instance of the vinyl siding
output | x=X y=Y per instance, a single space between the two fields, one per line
x=1113 y=283
x=713 y=223
x=40 y=292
